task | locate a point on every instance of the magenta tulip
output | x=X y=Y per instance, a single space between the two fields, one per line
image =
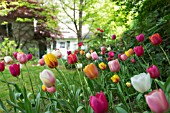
x=153 y=71
x=139 y=51
x=140 y=38
x=14 y=70
x=99 y=103
x=15 y=54
x=157 y=101
x=113 y=37
x=119 y=56
x=114 y=65
x=2 y=66
x=29 y=56
x=94 y=56
x=111 y=54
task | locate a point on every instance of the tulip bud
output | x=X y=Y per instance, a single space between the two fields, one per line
x=128 y=84
x=14 y=70
x=133 y=60
x=29 y=56
x=156 y=39
x=22 y=58
x=111 y=54
x=140 y=38
x=153 y=71
x=41 y=62
x=2 y=66
x=72 y=59
x=47 y=77
x=139 y=51
x=99 y=103
x=57 y=53
x=102 y=66
x=8 y=60
x=114 y=65
x=141 y=82
x=94 y=56
x=91 y=71
x=113 y=37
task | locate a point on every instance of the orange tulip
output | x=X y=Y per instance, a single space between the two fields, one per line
x=156 y=39
x=130 y=51
x=50 y=60
x=81 y=52
x=91 y=71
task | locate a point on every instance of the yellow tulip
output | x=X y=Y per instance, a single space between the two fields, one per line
x=102 y=66
x=50 y=60
x=115 y=78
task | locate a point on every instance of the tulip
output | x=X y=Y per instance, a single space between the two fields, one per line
x=141 y=82
x=99 y=103
x=102 y=52
x=157 y=101
x=81 y=52
x=123 y=57
x=88 y=55
x=76 y=51
x=102 y=66
x=51 y=89
x=72 y=59
x=14 y=70
x=29 y=56
x=109 y=59
x=80 y=44
x=68 y=52
x=111 y=54
x=139 y=51
x=115 y=78
x=8 y=60
x=113 y=37
x=130 y=51
x=101 y=30
x=128 y=84
x=57 y=53
x=156 y=39
x=50 y=60
x=15 y=54
x=2 y=66
x=133 y=60
x=127 y=54
x=22 y=58
x=91 y=71
x=91 y=51
x=103 y=48
x=79 y=65
x=47 y=77
x=153 y=71
x=140 y=38
x=41 y=62
x=119 y=56
x=109 y=48
x=94 y=56
x=114 y=65
x=44 y=88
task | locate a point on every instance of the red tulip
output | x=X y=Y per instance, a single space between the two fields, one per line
x=99 y=103
x=76 y=51
x=140 y=38
x=157 y=101
x=114 y=65
x=80 y=44
x=2 y=66
x=153 y=71
x=72 y=59
x=119 y=56
x=14 y=70
x=103 y=48
x=68 y=52
x=29 y=56
x=139 y=51
x=156 y=39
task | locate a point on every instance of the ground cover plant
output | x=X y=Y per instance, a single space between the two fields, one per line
x=99 y=80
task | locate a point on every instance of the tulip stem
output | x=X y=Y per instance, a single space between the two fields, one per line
x=165 y=54
x=30 y=82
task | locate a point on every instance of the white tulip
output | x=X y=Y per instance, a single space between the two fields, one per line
x=57 y=53
x=88 y=55
x=141 y=82
x=8 y=59
x=79 y=65
x=109 y=48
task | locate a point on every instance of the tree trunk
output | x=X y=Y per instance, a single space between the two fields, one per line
x=79 y=32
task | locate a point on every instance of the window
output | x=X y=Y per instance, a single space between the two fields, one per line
x=68 y=45
x=62 y=44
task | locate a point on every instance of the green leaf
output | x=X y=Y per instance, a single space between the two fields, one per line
x=121 y=110
x=167 y=85
x=15 y=106
x=3 y=107
x=79 y=108
x=38 y=103
x=160 y=83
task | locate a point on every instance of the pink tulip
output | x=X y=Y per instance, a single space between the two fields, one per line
x=99 y=103
x=103 y=52
x=94 y=56
x=103 y=48
x=140 y=38
x=41 y=62
x=15 y=54
x=51 y=89
x=113 y=37
x=111 y=54
x=133 y=60
x=157 y=101
x=114 y=65
x=47 y=77
x=2 y=66
x=109 y=59
x=29 y=56
x=123 y=57
x=139 y=51
x=14 y=70
x=153 y=71
x=22 y=58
